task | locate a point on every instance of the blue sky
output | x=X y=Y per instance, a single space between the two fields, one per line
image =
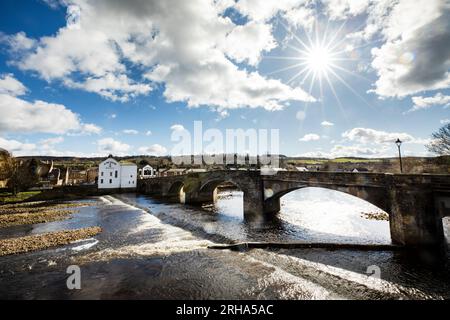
x=89 y=78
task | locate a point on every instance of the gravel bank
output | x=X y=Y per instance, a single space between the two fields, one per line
x=47 y=240
x=36 y=212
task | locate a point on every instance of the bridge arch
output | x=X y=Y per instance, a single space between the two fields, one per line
x=208 y=189
x=211 y=185
x=175 y=191
x=375 y=196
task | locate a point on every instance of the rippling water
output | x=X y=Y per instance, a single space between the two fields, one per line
x=150 y=249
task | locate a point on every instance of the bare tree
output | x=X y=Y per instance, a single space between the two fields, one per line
x=441 y=141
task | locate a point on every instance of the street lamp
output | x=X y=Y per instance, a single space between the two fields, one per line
x=399 y=143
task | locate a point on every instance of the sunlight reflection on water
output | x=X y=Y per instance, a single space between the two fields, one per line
x=320 y=214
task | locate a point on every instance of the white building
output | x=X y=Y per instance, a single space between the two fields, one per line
x=114 y=175
x=147 y=172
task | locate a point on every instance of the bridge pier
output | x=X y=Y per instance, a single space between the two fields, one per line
x=414 y=219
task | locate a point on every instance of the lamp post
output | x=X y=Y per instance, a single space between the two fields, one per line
x=399 y=143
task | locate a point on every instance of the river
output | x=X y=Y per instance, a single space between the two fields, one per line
x=154 y=250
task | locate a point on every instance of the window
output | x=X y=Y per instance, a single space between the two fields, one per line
x=101 y=180
x=102 y=174
x=115 y=174
x=110 y=180
x=110 y=174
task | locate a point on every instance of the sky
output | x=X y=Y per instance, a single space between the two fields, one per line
x=336 y=78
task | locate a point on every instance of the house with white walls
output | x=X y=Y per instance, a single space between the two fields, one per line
x=147 y=172
x=113 y=174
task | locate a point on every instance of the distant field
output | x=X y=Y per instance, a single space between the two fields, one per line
x=352 y=160
x=338 y=160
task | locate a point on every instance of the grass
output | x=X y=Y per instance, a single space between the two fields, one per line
x=337 y=160
x=8 y=197
x=352 y=160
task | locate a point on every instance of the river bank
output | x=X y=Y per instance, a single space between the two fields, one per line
x=36 y=212
x=44 y=241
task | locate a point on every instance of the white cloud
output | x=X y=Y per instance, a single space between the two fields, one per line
x=16 y=147
x=327 y=124
x=18 y=42
x=155 y=149
x=422 y=103
x=52 y=141
x=109 y=145
x=111 y=86
x=130 y=131
x=44 y=147
x=183 y=45
x=248 y=42
x=9 y=85
x=310 y=137
x=416 y=54
x=73 y=17
x=265 y=10
x=340 y=151
x=148 y=133
x=89 y=128
x=19 y=115
x=445 y=121
x=342 y=9
x=300 y=17
x=177 y=127
x=300 y=115
x=367 y=135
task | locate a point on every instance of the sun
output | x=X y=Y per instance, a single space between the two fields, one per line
x=318 y=59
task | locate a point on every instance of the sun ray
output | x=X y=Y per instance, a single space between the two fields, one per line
x=286 y=68
x=282 y=58
x=350 y=72
x=320 y=52
x=341 y=107
x=294 y=35
x=350 y=88
x=298 y=74
x=330 y=43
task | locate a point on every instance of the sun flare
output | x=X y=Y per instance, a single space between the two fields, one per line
x=318 y=59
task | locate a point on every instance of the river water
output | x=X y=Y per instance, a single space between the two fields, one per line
x=154 y=250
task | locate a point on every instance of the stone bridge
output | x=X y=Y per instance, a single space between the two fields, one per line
x=416 y=204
